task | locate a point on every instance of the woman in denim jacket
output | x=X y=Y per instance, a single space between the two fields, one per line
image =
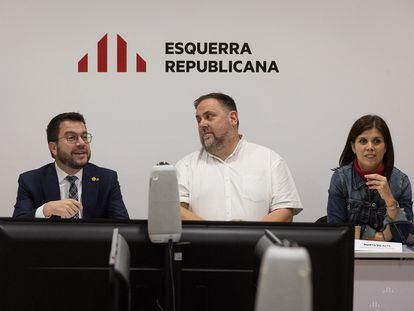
x=367 y=189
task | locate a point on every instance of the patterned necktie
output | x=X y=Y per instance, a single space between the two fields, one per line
x=73 y=190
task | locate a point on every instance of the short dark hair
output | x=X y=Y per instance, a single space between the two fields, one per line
x=52 y=130
x=364 y=123
x=225 y=100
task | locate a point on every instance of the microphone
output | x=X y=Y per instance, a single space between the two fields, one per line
x=280 y=260
x=164 y=217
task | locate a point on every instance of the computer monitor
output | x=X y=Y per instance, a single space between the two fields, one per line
x=222 y=263
x=63 y=265
x=119 y=266
x=54 y=265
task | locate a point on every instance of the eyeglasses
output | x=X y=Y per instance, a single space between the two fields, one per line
x=73 y=138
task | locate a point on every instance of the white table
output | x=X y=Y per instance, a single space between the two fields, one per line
x=384 y=281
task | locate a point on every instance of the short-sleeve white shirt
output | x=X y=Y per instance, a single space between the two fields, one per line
x=252 y=182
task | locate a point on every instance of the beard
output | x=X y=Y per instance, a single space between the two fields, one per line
x=213 y=143
x=218 y=137
x=69 y=159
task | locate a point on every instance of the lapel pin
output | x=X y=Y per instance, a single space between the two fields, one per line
x=95 y=179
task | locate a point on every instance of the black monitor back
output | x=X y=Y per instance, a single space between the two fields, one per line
x=63 y=265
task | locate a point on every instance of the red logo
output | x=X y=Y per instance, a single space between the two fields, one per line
x=121 y=57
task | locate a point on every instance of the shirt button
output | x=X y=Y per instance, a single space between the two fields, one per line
x=373 y=204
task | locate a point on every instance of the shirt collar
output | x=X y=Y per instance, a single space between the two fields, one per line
x=62 y=175
x=357 y=180
x=234 y=153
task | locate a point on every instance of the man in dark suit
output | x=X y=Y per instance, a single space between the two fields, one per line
x=71 y=187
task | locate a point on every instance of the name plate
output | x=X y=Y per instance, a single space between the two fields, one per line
x=377 y=246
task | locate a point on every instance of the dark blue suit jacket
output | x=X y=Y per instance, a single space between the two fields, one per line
x=101 y=193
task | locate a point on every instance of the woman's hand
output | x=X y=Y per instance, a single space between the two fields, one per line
x=385 y=235
x=380 y=183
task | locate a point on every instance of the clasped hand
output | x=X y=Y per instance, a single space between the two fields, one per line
x=380 y=183
x=66 y=208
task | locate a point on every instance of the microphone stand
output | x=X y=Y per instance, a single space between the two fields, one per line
x=172 y=276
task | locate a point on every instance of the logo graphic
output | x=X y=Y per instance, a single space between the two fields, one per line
x=121 y=57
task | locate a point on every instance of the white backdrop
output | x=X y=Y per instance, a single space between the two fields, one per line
x=338 y=60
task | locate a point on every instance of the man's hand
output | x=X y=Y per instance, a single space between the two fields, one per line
x=64 y=208
x=186 y=214
x=280 y=214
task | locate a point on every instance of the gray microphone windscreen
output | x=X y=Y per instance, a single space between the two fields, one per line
x=164 y=217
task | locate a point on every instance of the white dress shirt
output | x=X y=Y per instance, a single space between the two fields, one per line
x=64 y=185
x=252 y=182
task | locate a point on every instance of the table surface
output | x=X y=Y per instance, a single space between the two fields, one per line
x=406 y=253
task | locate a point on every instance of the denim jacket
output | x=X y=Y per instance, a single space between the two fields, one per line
x=350 y=200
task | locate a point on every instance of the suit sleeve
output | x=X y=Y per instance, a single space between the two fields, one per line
x=25 y=205
x=116 y=208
